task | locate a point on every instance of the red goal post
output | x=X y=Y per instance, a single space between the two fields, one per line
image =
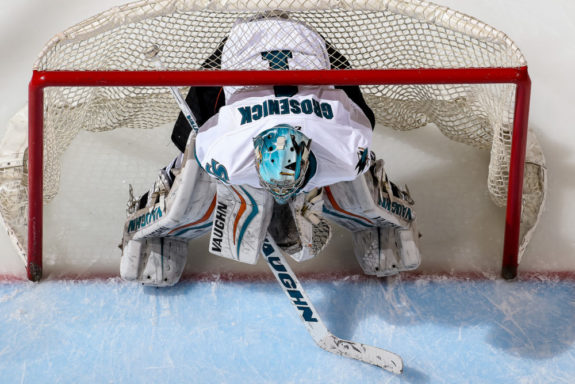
x=44 y=79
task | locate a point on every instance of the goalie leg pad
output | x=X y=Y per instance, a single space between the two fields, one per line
x=376 y=251
x=180 y=207
x=370 y=200
x=385 y=251
x=382 y=219
x=241 y=220
x=157 y=262
x=407 y=242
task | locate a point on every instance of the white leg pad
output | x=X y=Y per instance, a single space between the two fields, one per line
x=376 y=252
x=407 y=242
x=386 y=251
x=157 y=262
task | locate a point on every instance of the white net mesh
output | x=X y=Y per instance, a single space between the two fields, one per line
x=381 y=34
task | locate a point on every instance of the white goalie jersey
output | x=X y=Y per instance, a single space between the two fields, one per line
x=340 y=134
x=339 y=130
x=272 y=44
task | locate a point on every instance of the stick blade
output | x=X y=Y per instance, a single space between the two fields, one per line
x=362 y=352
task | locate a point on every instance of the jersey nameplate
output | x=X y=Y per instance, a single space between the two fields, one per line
x=285 y=106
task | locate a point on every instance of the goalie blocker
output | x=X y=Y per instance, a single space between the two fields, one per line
x=185 y=203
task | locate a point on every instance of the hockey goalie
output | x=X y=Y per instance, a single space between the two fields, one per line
x=277 y=160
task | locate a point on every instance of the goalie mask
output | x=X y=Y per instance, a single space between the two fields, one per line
x=282 y=160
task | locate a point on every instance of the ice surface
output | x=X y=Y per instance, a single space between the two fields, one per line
x=447 y=331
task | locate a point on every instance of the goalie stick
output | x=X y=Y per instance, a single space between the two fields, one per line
x=291 y=285
x=315 y=326
x=152 y=55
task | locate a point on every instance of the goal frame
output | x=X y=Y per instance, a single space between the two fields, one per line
x=43 y=79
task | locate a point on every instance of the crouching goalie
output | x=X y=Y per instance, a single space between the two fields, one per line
x=278 y=160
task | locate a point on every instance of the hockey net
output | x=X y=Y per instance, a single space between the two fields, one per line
x=478 y=108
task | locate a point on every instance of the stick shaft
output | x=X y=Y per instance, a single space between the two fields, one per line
x=184 y=107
